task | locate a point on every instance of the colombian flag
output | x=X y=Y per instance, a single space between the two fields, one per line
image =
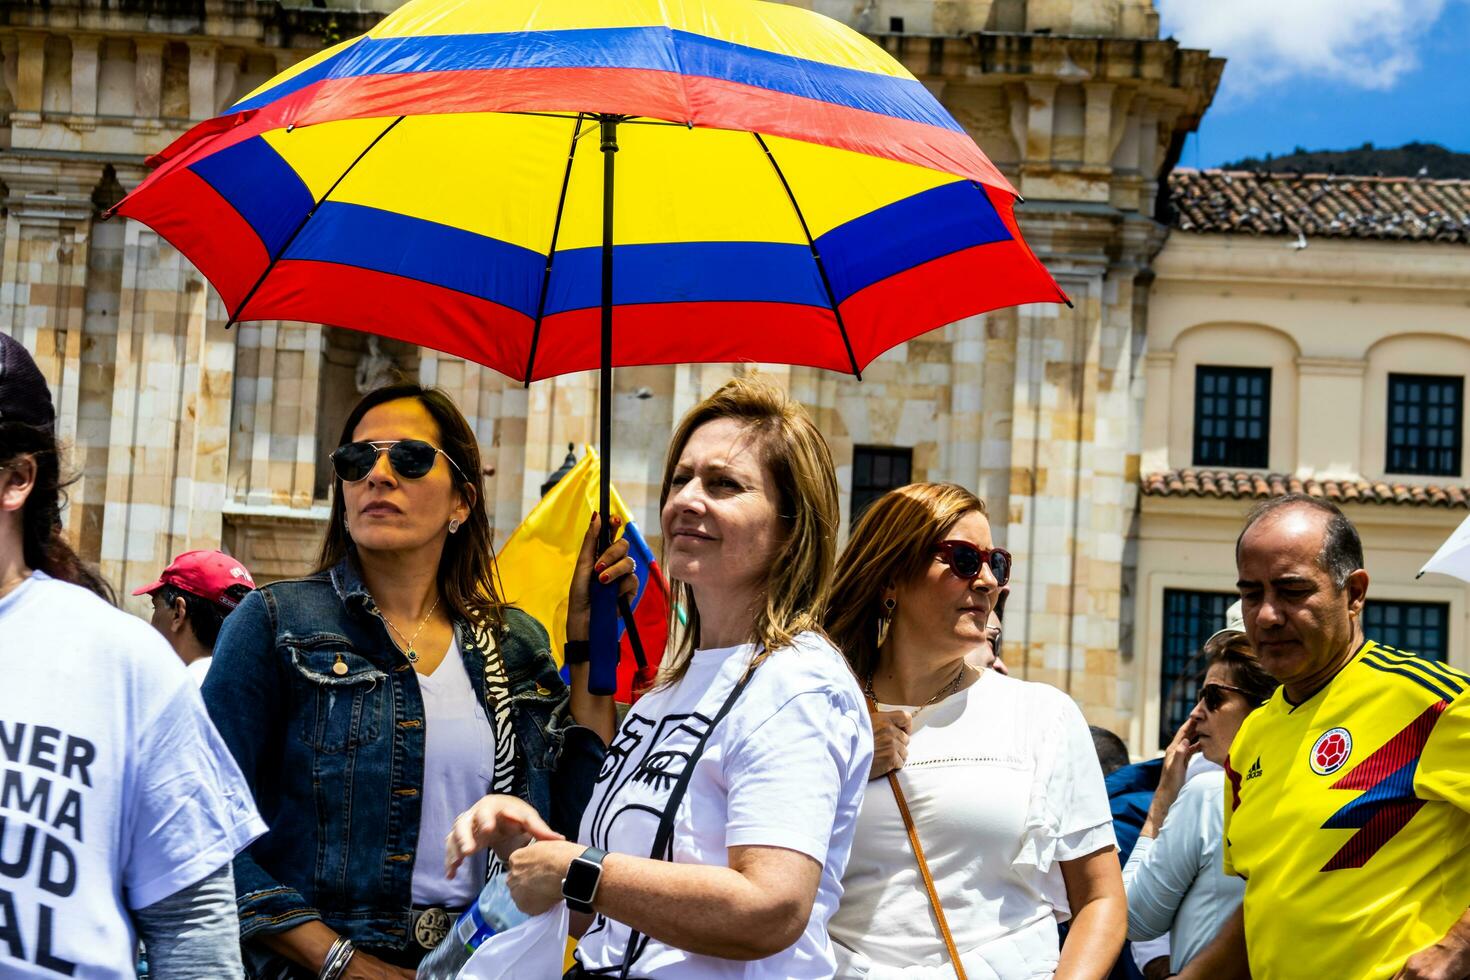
x=537 y=562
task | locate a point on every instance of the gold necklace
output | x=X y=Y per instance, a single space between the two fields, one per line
x=409 y=651
x=945 y=692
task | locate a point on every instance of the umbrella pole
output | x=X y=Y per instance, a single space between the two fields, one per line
x=605 y=380
x=602 y=677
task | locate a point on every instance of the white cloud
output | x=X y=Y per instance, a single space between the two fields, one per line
x=1361 y=43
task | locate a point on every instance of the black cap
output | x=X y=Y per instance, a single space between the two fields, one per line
x=24 y=396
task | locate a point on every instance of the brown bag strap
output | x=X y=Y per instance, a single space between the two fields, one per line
x=908 y=825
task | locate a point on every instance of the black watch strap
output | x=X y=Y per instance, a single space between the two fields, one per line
x=576 y=651
x=579 y=887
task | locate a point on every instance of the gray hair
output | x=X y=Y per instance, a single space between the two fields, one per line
x=1342 y=549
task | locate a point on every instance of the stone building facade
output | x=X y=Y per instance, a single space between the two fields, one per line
x=188 y=435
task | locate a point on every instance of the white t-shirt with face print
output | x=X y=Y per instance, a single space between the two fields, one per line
x=785 y=768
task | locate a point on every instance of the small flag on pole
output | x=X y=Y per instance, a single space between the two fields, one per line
x=538 y=560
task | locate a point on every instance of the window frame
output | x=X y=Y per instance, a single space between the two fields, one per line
x=1441 y=654
x=1456 y=430
x=866 y=493
x=1264 y=443
x=1171 y=695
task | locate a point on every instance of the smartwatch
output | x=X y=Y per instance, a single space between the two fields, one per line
x=579 y=887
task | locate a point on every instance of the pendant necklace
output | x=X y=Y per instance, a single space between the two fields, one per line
x=408 y=650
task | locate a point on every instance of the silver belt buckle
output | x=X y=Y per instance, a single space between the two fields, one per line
x=430 y=928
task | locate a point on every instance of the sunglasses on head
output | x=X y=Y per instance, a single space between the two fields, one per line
x=411 y=459
x=1213 y=695
x=965 y=560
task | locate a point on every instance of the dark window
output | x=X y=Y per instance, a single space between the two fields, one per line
x=895 y=25
x=877 y=470
x=1425 y=420
x=1232 y=416
x=1190 y=618
x=1413 y=627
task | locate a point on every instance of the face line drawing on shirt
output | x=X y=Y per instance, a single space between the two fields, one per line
x=658 y=768
x=656 y=771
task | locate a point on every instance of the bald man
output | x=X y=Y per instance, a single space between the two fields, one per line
x=1348 y=806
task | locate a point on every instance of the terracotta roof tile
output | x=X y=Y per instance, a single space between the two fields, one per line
x=1228 y=485
x=1321 y=205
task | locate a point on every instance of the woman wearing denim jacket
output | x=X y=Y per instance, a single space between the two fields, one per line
x=371 y=702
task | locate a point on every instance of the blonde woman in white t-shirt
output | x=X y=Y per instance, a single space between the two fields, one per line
x=717 y=834
x=999 y=775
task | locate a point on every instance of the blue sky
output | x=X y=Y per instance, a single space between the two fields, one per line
x=1328 y=74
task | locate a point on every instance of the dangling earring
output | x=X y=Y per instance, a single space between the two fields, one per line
x=885 y=621
x=453 y=524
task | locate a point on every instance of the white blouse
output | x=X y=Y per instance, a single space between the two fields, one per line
x=1003 y=783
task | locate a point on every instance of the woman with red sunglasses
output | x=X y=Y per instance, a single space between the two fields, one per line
x=1175 y=877
x=994 y=825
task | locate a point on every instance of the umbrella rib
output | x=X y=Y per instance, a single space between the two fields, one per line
x=621 y=119
x=561 y=202
x=816 y=256
x=270 y=266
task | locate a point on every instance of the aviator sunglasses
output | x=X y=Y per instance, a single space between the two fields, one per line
x=411 y=459
x=965 y=560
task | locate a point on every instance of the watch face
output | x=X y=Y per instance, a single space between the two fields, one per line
x=581 y=880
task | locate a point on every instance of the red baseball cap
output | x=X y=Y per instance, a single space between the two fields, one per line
x=207 y=574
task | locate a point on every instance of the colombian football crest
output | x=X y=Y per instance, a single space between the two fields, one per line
x=1331 y=751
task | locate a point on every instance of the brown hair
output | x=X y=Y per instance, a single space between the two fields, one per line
x=467 y=574
x=893 y=542
x=1231 y=648
x=798 y=461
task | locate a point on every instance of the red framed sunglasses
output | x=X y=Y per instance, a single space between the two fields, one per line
x=965 y=560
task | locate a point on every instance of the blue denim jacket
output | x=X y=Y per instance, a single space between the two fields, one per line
x=335 y=757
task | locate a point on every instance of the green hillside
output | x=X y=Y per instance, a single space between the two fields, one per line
x=1409 y=160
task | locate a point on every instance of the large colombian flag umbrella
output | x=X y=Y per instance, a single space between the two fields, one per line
x=785 y=192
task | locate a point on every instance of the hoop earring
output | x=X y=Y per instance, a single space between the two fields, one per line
x=453 y=524
x=885 y=621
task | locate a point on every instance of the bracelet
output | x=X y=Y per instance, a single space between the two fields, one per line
x=337 y=958
x=576 y=652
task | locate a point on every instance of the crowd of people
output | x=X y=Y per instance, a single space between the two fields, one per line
x=834 y=776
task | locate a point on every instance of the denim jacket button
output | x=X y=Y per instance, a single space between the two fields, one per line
x=543 y=691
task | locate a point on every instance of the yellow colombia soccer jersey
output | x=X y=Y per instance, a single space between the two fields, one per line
x=1349 y=817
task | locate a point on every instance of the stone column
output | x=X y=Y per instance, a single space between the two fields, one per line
x=148 y=84
x=30 y=78
x=966 y=426
x=171 y=405
x=44 y=274
x=85 y=63
x=1068 y=506
x=203 y=57
x=1098 y=144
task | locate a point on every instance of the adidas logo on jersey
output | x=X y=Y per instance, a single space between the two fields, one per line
x=1254 y=771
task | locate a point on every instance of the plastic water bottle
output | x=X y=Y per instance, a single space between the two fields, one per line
x=493 y=912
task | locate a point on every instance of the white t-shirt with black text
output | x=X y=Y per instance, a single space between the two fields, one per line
x=785 y=768
x=115 y=789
